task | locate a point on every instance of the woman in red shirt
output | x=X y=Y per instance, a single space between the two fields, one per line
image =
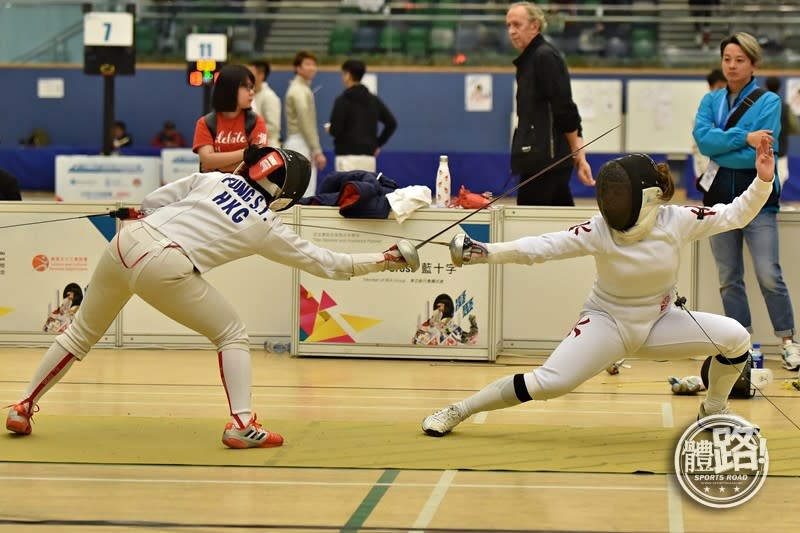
x=232 y=98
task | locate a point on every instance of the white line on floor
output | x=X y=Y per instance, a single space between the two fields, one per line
x=432 y=505
x=290 y=482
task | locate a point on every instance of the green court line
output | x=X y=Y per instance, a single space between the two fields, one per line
x=371 y=500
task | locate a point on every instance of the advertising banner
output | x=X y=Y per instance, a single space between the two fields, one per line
x=82 y=178
x=46 y=261
x=438 y=311
x=177 y=163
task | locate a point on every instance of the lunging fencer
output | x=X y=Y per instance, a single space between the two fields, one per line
x=636 y=242
x=187 y=228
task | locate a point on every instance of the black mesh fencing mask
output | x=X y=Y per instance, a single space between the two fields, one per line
x=284 y=174
x=619 y=188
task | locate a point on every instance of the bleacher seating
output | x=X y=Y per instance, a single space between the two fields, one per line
x=417 y=41
x=442 y=39
x=340 y=41
x=392 y=39
x=366 y=39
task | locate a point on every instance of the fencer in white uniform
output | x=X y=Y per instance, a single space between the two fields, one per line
x=191 y=226
x=636 y=242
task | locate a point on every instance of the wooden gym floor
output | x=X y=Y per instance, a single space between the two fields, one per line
x=129 y=441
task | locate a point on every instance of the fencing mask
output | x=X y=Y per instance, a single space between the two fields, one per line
x=625 y=186
x=283 y=174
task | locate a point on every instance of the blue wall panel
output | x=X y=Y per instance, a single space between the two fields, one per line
x=429 y=107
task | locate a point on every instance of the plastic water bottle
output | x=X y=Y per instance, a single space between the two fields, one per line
x=756 y=356
x=277 y=346
x=443 y=183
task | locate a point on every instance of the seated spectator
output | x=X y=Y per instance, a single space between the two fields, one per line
x=169 y=137
x=120 y=135
x=9 y=186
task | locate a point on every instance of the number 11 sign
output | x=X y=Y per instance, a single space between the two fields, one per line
x=206 y=46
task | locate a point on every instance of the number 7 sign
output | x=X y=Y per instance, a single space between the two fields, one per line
x=107 y=29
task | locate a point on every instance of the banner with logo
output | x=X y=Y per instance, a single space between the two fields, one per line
x=438 y=311
x=81 y=178
x=177 y=163
x=46 y=261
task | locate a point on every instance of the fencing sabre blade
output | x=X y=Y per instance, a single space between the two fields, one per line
x=515 y=187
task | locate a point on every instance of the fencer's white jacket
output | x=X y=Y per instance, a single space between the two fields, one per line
x=635 y=282
x=217 y=218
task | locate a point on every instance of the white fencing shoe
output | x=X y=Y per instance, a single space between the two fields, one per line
x=442 y=421
x=791 y=355
x=743 y=422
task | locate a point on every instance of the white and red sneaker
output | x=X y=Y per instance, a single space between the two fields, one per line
x=251 y=436
x=19 y=417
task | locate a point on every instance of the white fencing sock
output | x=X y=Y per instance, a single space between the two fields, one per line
x=505 y=392
x=55 y=363
x=722 y=375
x=236 y=374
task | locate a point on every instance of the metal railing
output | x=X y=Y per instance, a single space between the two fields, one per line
x=573 y=25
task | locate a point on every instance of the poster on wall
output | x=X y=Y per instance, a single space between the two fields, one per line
x=478 y=92
x=46 y=268
x=370 y=81
x=437 y=309
x=177 y=163
x=82 y=178
x=793 y=94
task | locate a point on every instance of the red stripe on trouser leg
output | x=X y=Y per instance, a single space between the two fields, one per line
x=237 y=383
x=60 y=368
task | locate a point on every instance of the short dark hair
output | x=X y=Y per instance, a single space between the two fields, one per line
x=300 y=56
x=226 y=88
x=773 y=83
x=355 y=68
x=746 y=42
x=715 y=76
x=262 y=66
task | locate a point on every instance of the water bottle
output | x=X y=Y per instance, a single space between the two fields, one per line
x=756 y=356
x=443 y=183
x=277 y=345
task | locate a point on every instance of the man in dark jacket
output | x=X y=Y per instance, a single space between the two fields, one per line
x=548 y=122
x=354 y=122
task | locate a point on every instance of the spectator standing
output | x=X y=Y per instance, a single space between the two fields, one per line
x=266 y=102
x=168 y=137
x=731 y=143
x=789 y=126
x=548 y=122
x=223 y=149
x=716 y=80
x=702 y=11
x=354 y=122
x=301 y=116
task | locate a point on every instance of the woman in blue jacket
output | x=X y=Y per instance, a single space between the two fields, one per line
x=728 y=126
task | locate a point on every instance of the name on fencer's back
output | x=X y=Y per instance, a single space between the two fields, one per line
x=241 y=199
